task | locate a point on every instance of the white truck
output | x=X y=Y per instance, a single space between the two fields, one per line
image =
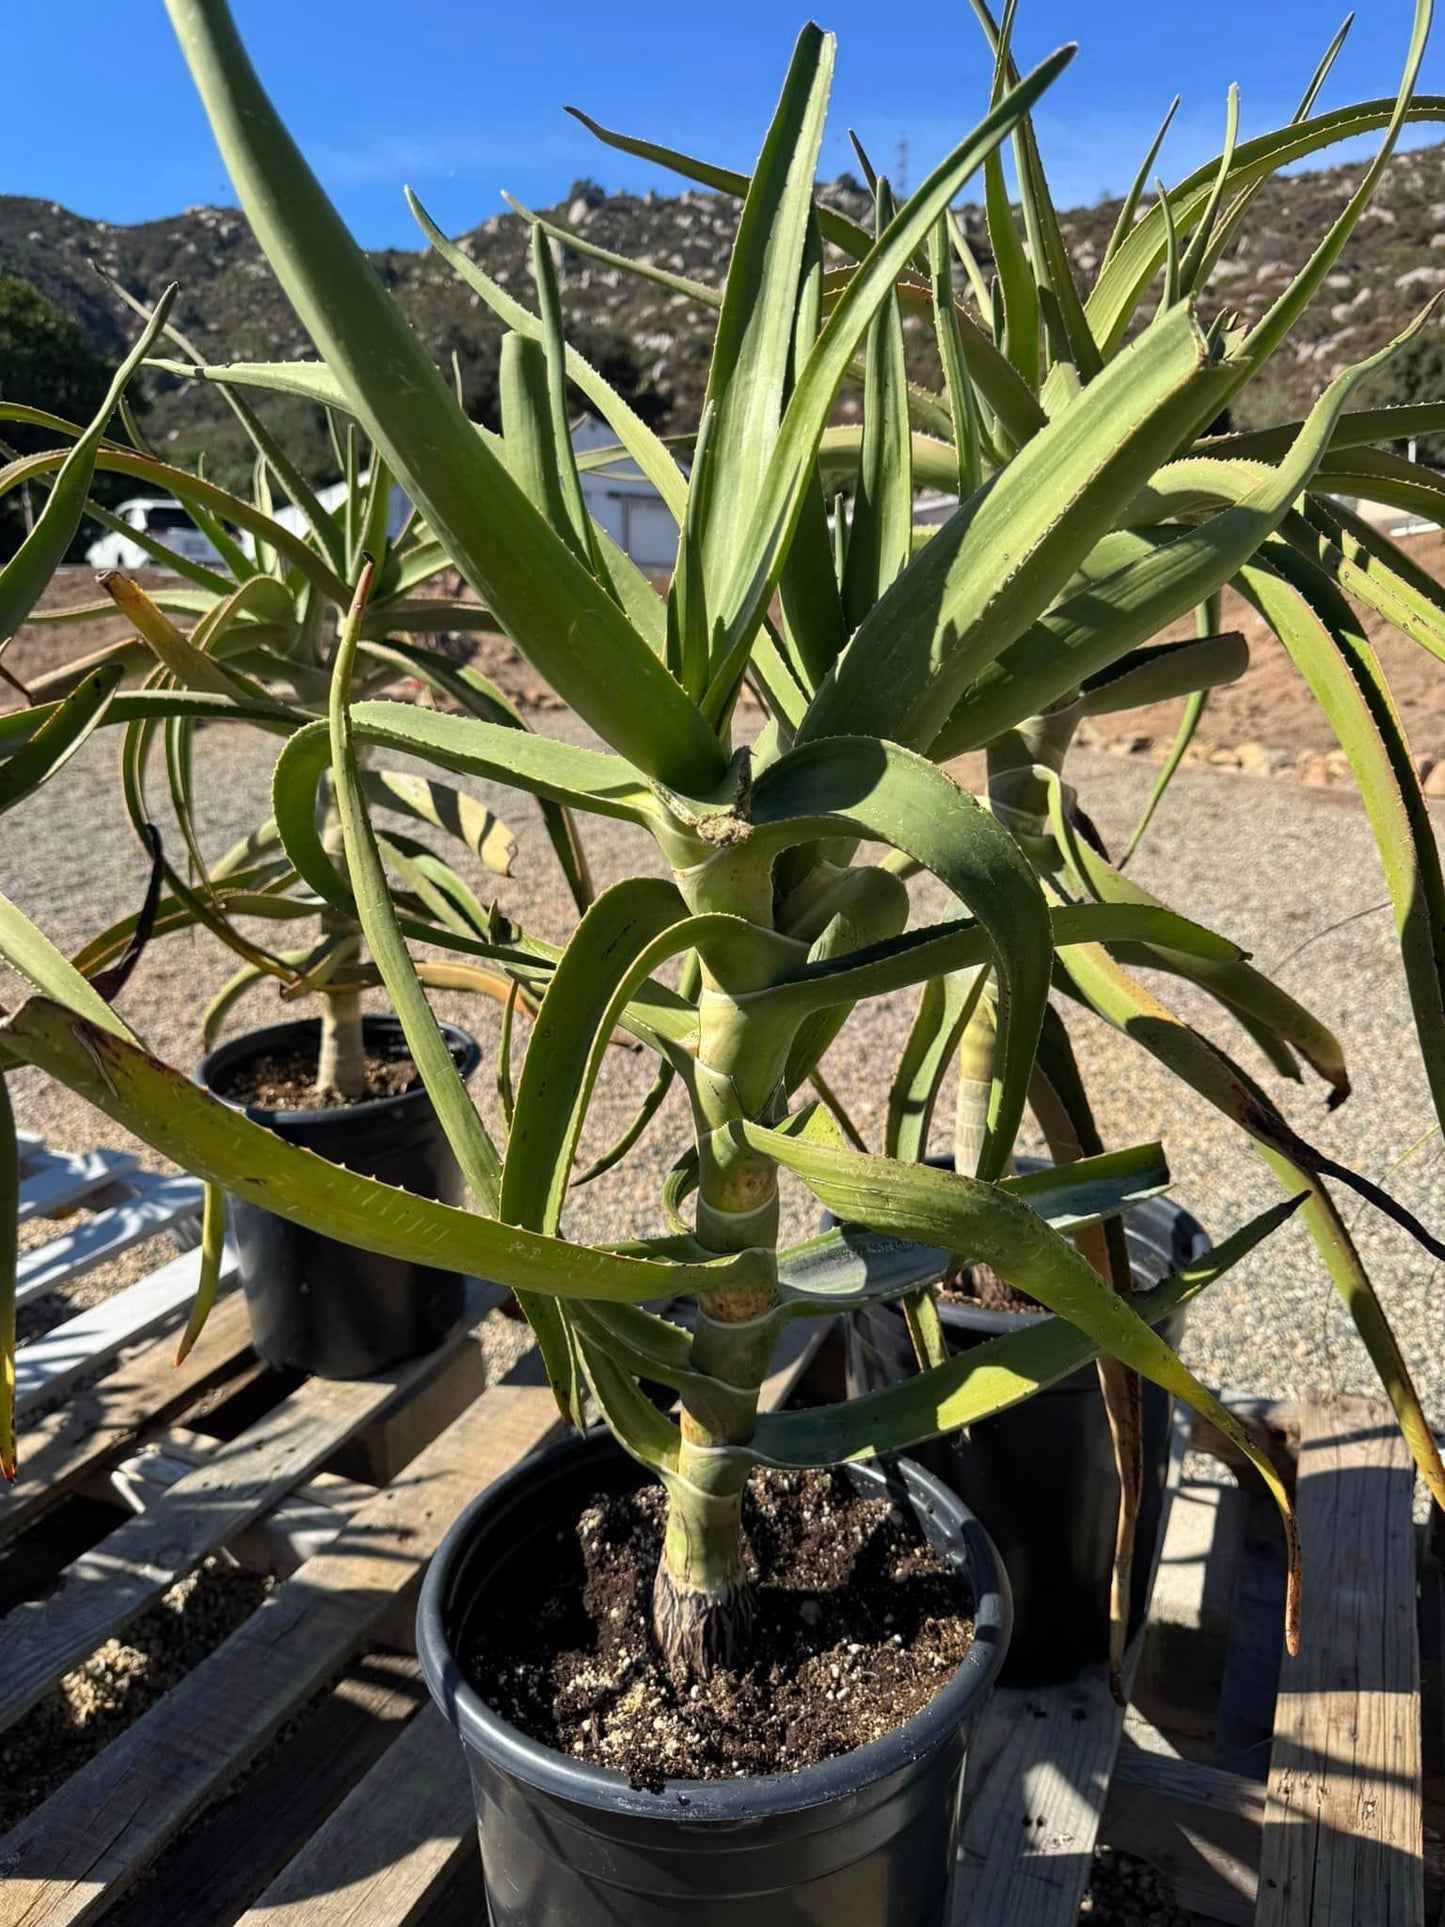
x=165 y=521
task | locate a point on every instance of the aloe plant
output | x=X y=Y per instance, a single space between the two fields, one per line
x=262 y=632
x=1096 y=507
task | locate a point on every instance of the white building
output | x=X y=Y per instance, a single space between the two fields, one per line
x=621 y=500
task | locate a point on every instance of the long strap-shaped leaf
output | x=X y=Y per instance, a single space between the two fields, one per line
x=223 y=1146
x=957 y=608
x=752 y=349
x=921 y=955
x=27 y=572
x=1138 y=581
x=877 y=790
x=1012 y=400
x=1125 y=1004
x=467 y=1135
x=1328 y=646
x=551 y=605
x=980 y=1221
x=790 y=467
x=987 y=1378
x=1131 y=269
x=62 y=732
x=642 y=443
x=167 y=480
x=1234 y=981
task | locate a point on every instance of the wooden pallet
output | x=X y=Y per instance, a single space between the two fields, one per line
x=1304 y=1792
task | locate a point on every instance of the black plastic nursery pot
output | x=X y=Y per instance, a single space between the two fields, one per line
x=865 y=1840
x=317 y=1305
x=1041 y=1475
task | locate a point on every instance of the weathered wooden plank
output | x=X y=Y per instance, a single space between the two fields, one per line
x=93 y=1838
x=133 y=1565
x=1037 y=1776
x=299 y=1525
x=155 y=1205
x=101 y=1421
x=93 y=1337
x=405 y=1831
x=1198 y=1827
x=242 y=1842
x=59 y=1180
x=1342 y=1838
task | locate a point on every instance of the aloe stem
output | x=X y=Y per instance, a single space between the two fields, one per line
x=341 y=1059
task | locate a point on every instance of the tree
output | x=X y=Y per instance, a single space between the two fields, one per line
x=46 y=361
x=1416 y=374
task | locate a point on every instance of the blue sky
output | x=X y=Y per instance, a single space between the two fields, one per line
x=462 y=99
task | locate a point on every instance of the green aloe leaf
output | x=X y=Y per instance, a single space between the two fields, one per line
x=781 y=498
x=1325 y=640
x=880 y=529
x=1126 y=1005
x=987 y=1378
x=1126 y=276
x=953 y=612
x=1137 y=581
x=552 y=606
x=213 y=1246
x=877 y=790
x=1164 y=671
x=163 y=479
x=642 y=443
x=980 y=1221
x=466 y=1133
x=223 y=1146
x=25 y=575
x=58 y=736
x=753 y=347
x=30 y=954
x=944 y=1009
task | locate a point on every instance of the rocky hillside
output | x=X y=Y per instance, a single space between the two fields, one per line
x=654 y=342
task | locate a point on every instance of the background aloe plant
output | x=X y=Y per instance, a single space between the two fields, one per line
x=1096 y=507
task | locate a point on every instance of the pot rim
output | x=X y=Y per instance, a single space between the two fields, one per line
x=248 y=1043
x=715 y=1802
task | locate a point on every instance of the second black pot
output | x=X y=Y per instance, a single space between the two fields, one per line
x=317 y=1305
x=865 y=1840
x=1042 y=1473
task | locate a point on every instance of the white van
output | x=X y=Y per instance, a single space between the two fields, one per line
x=165 y=521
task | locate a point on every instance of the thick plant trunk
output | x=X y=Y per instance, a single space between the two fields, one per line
x=702 y=1597
x=341 y=1061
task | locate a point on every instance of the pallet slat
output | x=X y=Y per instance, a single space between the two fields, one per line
x=99 y=1422
x=58 y=1180
x=1035 y=1785
x=95 y=1836
x=1343 y=1836
x=93 y=1337
x=157 y=1204
x=135 y=1564
x=407 y=1829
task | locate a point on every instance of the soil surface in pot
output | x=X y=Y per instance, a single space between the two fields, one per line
x=286 y=1081
x=980 y=1285
x=858 y=1624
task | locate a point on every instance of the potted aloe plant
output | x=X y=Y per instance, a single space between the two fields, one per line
x=262 y=629
x=695 y=1664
